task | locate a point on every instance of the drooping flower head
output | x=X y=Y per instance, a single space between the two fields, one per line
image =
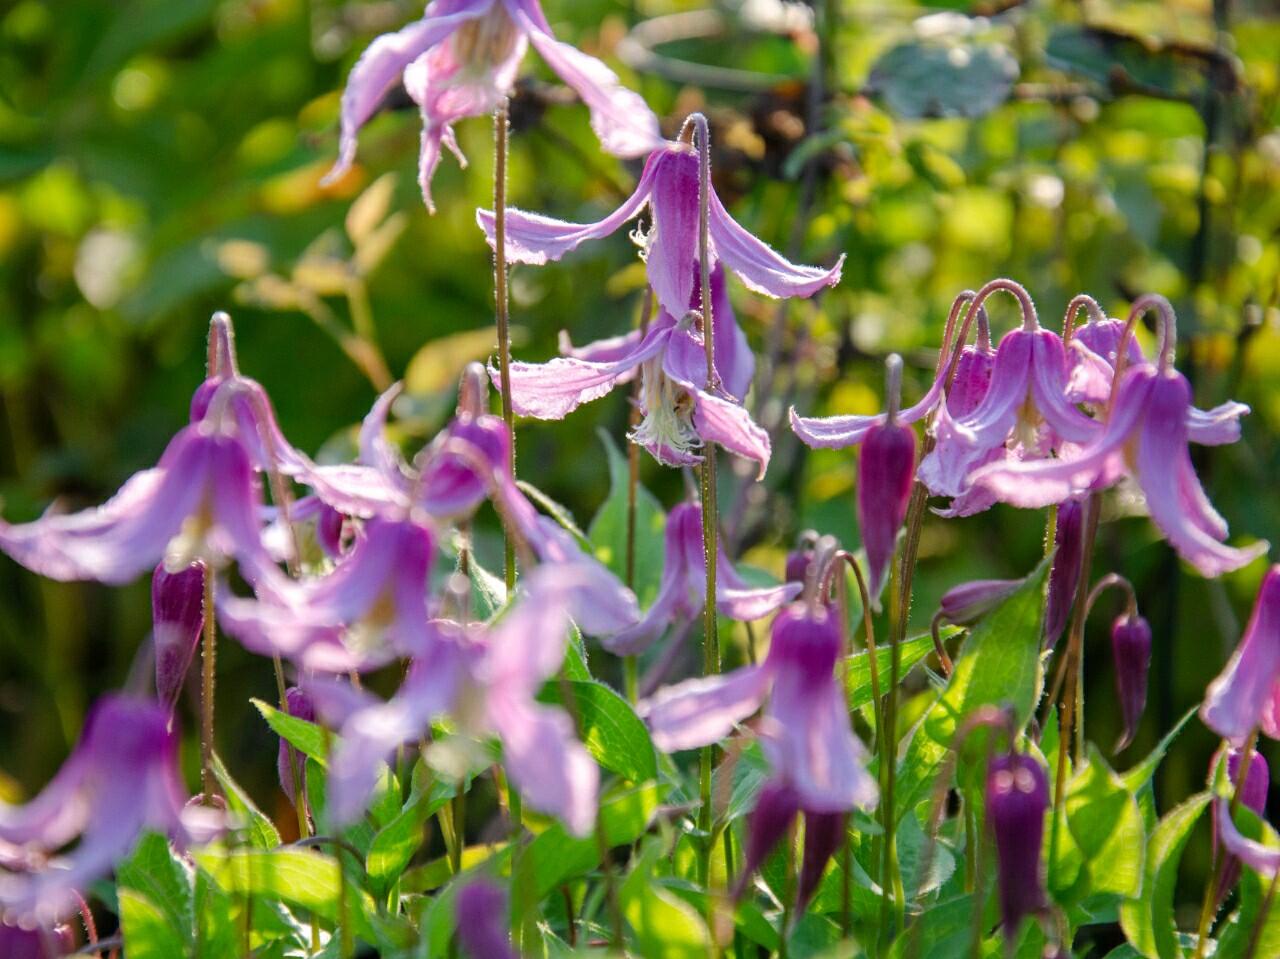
x=1017 y=796
x=177 y=617
x=460 y=60
x=682 y=591
x=1246 y=695
x=487 y=677
x=817 y=760
x=680 y=413
x=1145 y=437
x=121 y=778
x=886 y=469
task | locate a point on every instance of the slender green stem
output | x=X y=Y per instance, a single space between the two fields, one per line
x=501 y=307
x=208 y=664
x=630 y=664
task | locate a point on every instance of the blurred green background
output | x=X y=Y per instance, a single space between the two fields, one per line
x=160 y=159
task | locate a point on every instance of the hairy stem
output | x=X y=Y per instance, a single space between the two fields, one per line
x=208 y=664
x=501 y=308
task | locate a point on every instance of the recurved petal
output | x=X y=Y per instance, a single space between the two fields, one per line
x=1258 y=857
x=835 y=432
x=760 y=267
x=1242 y=696
x=728 y=424
x=1218 y=426
x=698 y=712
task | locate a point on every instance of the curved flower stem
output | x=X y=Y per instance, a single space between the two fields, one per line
x=1081 y=301
x=1211 y=900
x=501 y=306
x=697 y=126
x=630 y=664
x=1168 y=330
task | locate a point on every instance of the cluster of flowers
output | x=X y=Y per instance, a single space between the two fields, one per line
x=1039 y=420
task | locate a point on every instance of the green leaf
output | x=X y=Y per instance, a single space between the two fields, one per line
x=148 y=933
x=858 y=666
x=1140 y=775
x=608 y=529
x=300 y=878
x=614 y=735
x=394 y=845
x=1109 y=57
x=943 y=930
x=664 y=925
x=1235 y=935
x=306 y=737
x=155 y=874
x=1106 y=824
x=261 y=831
x=216 y=932
x=943 y=79
x=1148 y=922
x=999 y=664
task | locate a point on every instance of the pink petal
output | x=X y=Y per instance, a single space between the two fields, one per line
x=620 y=118
x=1216 y=427
x=1242 y=696
x=728 y=424
x=1049 y=387
x=758 y=266
x=1258 y=857
x=672 y=248
x=535 y=239
x=837 y=432
x=698 y=712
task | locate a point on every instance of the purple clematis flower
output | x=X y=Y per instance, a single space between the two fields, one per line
x=669 y=187
x=177 y=616
x=805 y=733
x=121 y=778
x=460 y=60
x=1246 y=695
x=487 y=677
x=679 y=412
x=1017 y=797
x=1253 y=795
x=886 y=469
x=1146 y=438
x=682 y=591
x=482 y=921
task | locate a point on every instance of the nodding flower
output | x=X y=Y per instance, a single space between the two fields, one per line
x=122 y=778
x=817 y=761
x=487 y=678
x=461 y=59
x=886 y=469
x=681 y=413
x=669 y=187
x=1145 y=437
x=1017 y=797
x=682 y=591
x=177 y=620
x=1246 y=695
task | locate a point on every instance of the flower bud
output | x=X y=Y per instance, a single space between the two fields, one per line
x=776 y=808
x=1253 y=795
x=1131 y=656
x=967 y=603
x=1068 y=541
x=1017 y=797
x=297 y=704
x=177 y=614
x=798 y=560
x=482 y=921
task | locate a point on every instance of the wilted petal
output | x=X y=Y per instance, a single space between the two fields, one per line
x=1239 y=700
x=1174 y=497
x=620 y=118
x=535 y=239
x=760 y=267
x=698 y=712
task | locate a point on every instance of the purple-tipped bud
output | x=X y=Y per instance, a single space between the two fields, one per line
x=967 y=603
x=822 y=835
x=776 y=808
x=886 y=467
x=298 y=704
x=177 y=615
x=1064 y=578
x=1017 y=798
x=19 y=943
x=1131 y=656
x=1253 y=795
x=482 y=921
x=473 y=391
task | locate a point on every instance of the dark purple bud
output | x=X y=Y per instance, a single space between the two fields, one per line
x=967 y=603
x=177 y=615
x=17 y=942
x=776 y=809
x=823 y=832
x=798 y=561
x=1131 y=655
x=1065 y=575
x=482 y=921
x=298 y=704
x=1253 y=795
x=1017 y=798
